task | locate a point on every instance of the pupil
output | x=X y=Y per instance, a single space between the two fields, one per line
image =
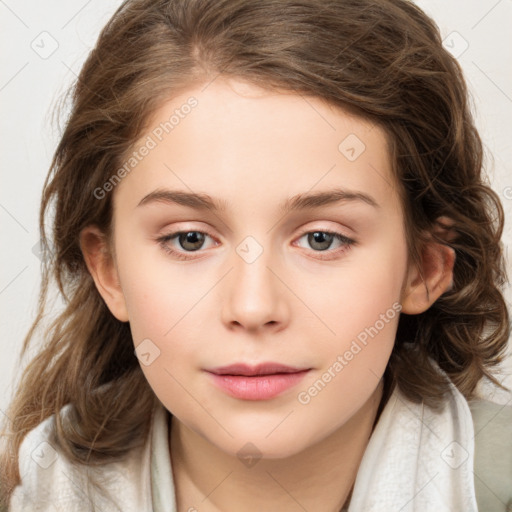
x=193 y=238
x=324 y=239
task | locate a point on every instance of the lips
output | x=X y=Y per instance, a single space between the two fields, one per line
x=261 y=382
x=253 y=371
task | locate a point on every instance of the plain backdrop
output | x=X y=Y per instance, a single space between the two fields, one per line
x=43 y=47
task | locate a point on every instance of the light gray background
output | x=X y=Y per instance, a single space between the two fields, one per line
x=44 y=45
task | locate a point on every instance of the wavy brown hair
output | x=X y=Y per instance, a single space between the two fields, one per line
x=380 y=59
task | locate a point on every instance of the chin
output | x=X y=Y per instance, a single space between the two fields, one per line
x=262 y=450
x=258 y=444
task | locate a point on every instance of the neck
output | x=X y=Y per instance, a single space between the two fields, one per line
x=209 y=480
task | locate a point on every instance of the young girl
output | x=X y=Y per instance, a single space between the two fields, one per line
x=282 y=272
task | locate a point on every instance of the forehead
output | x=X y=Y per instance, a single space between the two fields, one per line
x=234 y=139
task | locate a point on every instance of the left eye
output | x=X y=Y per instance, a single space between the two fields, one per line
x=322 y=240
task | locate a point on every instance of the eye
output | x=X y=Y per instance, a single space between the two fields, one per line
x=322 y=241
x=188 y=241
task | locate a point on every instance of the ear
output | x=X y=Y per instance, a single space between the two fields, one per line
x=427 y=281
x=101 y=266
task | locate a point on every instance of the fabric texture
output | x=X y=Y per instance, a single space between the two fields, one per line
x=49 y=482
x=416 y=460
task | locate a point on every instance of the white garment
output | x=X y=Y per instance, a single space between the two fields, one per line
x=416 y=461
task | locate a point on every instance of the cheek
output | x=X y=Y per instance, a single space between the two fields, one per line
x=361 y=308
x=159 y=295
x=168 y=312
x=354 y=359
x=368 y=286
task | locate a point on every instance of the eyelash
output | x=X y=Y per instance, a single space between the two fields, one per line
x=348 y=243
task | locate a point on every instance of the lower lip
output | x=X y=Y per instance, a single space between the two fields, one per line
x=262 y=387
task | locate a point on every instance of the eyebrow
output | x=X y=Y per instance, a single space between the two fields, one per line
x=200 y=201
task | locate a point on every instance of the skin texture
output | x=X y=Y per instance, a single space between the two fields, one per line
x=295 y=304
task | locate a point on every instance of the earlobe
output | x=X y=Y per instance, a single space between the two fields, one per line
x=101 y=266
x=428 y=281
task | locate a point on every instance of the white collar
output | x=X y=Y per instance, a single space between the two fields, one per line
x=418 y=459
x=162 y=481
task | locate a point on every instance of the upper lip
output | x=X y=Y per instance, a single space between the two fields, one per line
x=259 y=369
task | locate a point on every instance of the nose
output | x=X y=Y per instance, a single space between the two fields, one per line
x=255 y=295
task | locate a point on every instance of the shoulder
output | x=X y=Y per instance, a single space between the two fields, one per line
x=39 y=467
x=493 y=454
x=51 y=482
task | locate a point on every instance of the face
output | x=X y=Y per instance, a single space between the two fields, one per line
x=261 y=275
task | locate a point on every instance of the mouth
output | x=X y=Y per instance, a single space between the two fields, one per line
x=242 y=369
x=260 y=382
